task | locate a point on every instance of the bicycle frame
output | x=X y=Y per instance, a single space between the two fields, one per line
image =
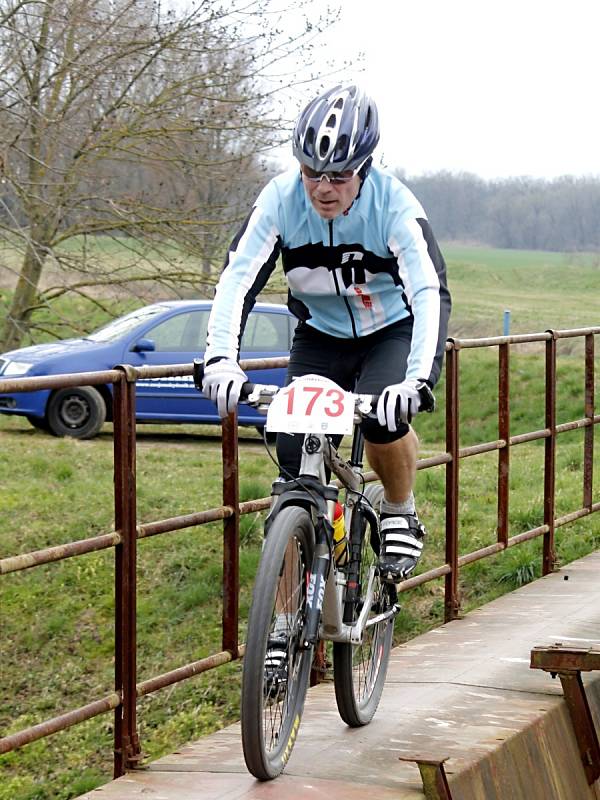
x=327 y=587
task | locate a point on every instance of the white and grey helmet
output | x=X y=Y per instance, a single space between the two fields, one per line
x=337 y=131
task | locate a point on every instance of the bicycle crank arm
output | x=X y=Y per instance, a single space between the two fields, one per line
x=392 y=612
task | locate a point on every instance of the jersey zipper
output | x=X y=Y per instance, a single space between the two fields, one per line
x=337 y=286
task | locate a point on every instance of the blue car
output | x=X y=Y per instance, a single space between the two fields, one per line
x=171 y=332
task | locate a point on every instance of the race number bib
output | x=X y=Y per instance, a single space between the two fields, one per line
x=311 y=404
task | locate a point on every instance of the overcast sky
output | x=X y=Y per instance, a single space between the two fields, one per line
x=494 y=88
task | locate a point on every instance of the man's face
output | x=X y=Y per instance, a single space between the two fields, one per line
x=330 y=199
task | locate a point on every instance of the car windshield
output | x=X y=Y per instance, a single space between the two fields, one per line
x=119 y=327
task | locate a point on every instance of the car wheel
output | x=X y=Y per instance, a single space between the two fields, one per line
x=79 y=412
x=41 y=423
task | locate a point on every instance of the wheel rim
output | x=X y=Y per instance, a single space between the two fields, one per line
x=74 y=411
x=279 y=700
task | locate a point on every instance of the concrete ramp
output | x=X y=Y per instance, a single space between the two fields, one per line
x=463 y=692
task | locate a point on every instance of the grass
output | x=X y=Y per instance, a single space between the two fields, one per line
x=56 y=638
x=57 y=619
x=542 y=290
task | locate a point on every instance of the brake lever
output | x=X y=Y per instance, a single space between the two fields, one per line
x=427 y=398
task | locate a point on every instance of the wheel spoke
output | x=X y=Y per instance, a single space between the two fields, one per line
x=359 y=670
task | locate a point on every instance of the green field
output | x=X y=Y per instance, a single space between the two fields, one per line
x=542 y=290
x=56 y=639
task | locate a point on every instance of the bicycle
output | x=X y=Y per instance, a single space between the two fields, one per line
x=302 y=594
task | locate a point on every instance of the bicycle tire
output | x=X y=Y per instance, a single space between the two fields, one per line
x=359 y=671
x=271 y=711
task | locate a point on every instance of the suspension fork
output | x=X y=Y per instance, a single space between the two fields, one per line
x=317 y=580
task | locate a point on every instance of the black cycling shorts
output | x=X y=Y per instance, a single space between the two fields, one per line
x=365 y=365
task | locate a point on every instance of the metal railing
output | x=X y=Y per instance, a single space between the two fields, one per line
x=123 y=701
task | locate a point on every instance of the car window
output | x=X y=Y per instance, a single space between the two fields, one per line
x=266 y=332
x=181 y=333
x=119 y=327
x=292 y=322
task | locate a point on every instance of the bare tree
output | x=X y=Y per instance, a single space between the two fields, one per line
x=126 y=119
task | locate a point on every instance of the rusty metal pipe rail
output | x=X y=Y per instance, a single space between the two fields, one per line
x=60 y=723
x=187 y=671
x=58 y=552
x=108 y=540
x=127 y=532
x=115 y=376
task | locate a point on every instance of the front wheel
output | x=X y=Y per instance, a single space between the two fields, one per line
x=359 y=671
x=276 y=666
x=79 y=412
x=39 y=423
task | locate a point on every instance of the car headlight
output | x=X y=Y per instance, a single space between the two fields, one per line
x=16 y=368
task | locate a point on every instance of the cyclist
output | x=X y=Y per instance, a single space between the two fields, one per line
x=367 y=282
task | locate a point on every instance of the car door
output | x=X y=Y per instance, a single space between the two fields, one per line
x=268 y=334
x=176 y=340
x=182 y=337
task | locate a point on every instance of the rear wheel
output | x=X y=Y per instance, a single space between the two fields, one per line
x=79 y=412
x=359 y=671
x=276 y=667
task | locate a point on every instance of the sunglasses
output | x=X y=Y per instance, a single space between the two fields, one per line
x=332 y=177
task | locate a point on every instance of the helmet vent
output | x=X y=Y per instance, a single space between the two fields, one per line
x=331 y=122
x=324 y=148
x=310 y=137
x=339 y=103
x=341 y=146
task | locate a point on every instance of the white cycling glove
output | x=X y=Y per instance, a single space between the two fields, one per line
x=400 y=401
x=222 y=383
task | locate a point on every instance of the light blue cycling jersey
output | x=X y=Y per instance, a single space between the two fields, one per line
x=368 y=268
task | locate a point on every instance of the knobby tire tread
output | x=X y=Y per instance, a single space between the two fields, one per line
x=290 y=525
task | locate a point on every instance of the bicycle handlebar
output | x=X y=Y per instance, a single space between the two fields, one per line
x=248 y=388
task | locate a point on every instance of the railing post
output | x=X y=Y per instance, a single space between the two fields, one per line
x=451 y=599
x=433 y=777
x=231 y=535
x=568 y=663
x=588 y=441
x=549 y=555
x=126 y=739
x=503 y=433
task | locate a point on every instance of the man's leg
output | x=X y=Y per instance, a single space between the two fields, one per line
x=402 y=534
x=396 y=465
x=393 y=456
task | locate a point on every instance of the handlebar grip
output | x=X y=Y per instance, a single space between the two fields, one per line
x=198 y=373
x=198 y=365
